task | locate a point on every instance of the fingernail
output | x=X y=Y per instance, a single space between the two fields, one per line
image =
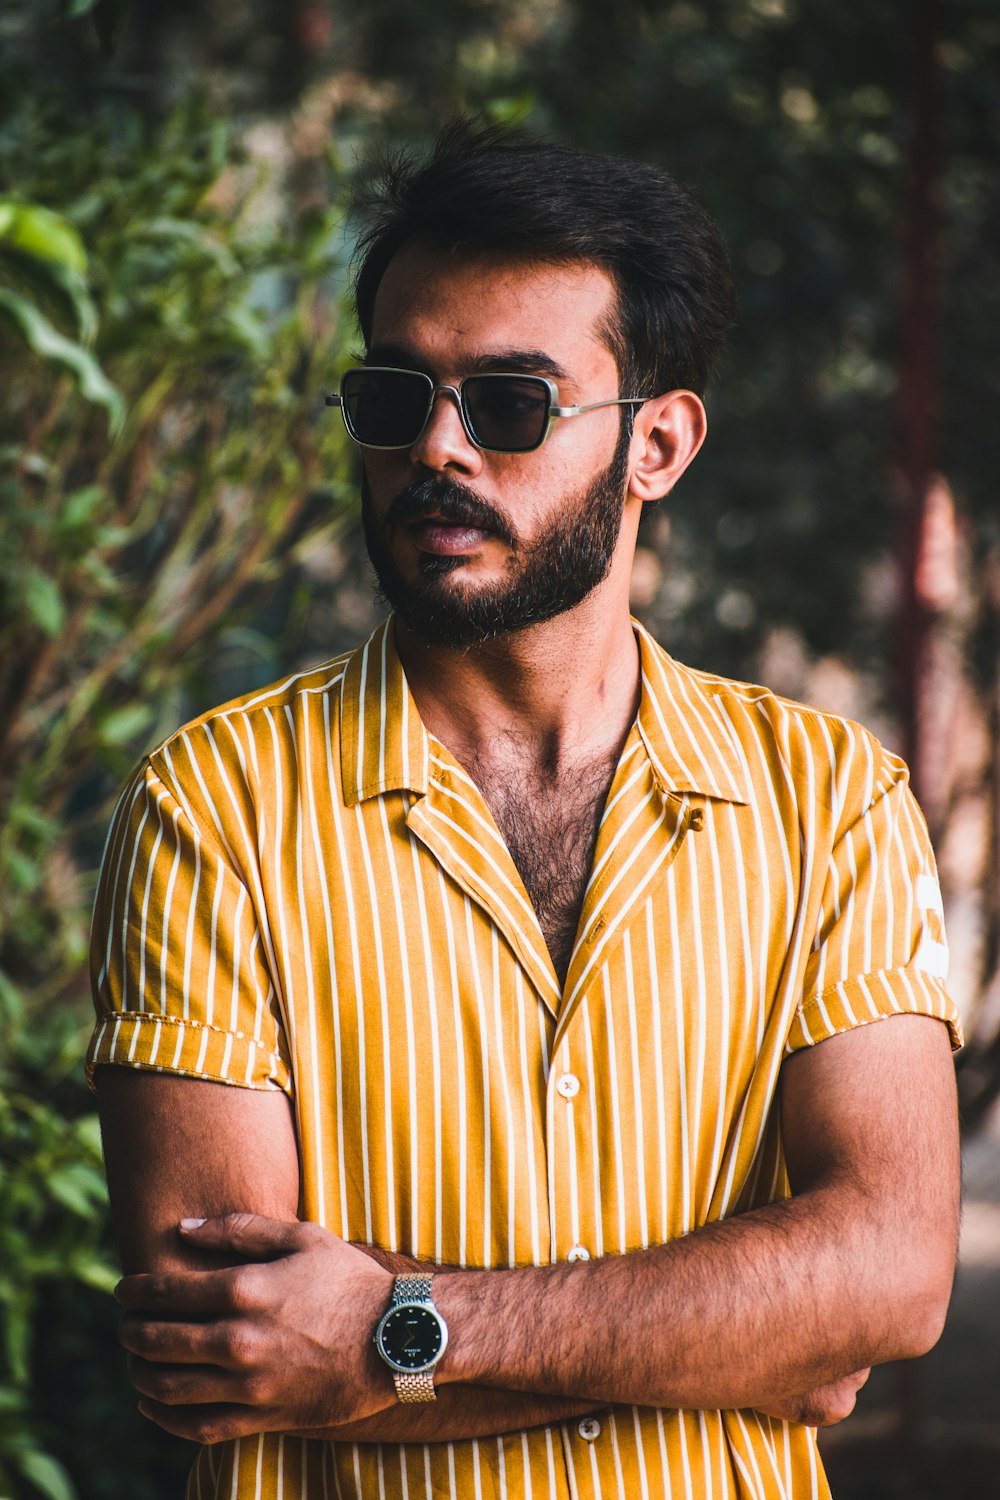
x=144 y=1410
x=192 y=1223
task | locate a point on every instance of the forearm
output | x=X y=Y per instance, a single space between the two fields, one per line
x=853 y=1270
x=468 y=1411
x=772 y=1303
x=459 y=1412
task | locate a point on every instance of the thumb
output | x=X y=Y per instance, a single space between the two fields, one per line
x=251 y=1235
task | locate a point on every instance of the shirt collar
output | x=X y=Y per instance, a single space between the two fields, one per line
x=384 y=746
x=685 y=727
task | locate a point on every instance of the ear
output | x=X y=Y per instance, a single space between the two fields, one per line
x=669 y=430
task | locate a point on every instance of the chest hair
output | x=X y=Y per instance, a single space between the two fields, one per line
x=550 y=825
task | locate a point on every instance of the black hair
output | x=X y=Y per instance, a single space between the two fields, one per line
x=495 y=190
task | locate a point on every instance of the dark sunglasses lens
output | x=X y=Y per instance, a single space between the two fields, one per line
x=385 y=408
x=506 y=413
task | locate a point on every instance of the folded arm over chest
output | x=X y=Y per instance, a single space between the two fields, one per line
x=789 y=1299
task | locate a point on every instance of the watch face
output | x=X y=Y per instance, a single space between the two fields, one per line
x=410 y=1337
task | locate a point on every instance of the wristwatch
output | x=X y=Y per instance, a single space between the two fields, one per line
x=411 y=1337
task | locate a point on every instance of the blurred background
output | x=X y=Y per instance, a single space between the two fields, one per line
x=179 y=510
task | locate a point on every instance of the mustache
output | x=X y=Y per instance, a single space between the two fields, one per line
x=452 y=502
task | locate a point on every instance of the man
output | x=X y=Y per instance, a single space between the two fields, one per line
x=509 y=950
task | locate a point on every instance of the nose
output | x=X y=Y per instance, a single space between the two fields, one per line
x=444 y=443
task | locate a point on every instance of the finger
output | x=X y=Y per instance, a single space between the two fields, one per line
x=210 y=1423
x=173 y=1342
x=250 y=1235
x=191 y=1385
x=179 y=1293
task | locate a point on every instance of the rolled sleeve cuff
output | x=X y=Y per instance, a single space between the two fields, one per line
x=871 y=997
x=142 y=1039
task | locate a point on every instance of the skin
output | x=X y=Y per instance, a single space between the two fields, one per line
x=252 y=1321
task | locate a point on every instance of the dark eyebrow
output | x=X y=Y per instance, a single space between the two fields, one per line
x=519 y=362
x=498 y=361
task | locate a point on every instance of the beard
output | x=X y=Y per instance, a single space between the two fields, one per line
x=546 y=577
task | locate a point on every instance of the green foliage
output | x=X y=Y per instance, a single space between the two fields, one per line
x=164 y=461
x=52 y=1211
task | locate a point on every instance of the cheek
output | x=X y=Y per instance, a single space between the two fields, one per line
x=382 y=478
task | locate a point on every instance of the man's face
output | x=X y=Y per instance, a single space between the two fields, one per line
x=469 y=545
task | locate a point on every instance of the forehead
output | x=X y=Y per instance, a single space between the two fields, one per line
x=449 y=310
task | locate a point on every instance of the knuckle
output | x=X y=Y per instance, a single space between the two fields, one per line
x=828 y=1408
x=151 y=1380
x=257 y=1388
x=206 y=1429
x=239 y=1346
x=242 y=1289
x=155 y=1288
x=238 y=1223
x=141 y=1338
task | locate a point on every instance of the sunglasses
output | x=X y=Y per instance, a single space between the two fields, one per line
x=385 y=408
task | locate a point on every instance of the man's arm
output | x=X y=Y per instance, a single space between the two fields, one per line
x=855 y=1269
x=179 y=1147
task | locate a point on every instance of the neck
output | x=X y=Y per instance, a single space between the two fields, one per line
x=555 y=693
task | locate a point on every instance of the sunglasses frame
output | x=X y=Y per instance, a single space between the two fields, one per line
x=457 y=392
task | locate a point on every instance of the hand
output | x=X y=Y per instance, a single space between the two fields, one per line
x=276 y=1345
x=823 y=1407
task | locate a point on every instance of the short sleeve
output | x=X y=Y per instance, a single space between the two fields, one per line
x=880 y=946
x=179 y=975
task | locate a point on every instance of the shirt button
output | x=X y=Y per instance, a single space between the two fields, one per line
x=568 y=1085
x=578 y=1252
x=589 y=1429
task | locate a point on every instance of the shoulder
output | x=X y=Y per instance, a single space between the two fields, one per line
x=214 y=765
x=774 y=743
x=300 y=691
x=244 y=727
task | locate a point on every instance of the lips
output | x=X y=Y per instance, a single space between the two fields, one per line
x=447 y=538
x=446 y=519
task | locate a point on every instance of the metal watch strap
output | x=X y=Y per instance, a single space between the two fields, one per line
x=415 y=1286
x=412 y=1388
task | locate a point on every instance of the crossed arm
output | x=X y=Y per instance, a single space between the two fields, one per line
x=253 y=1321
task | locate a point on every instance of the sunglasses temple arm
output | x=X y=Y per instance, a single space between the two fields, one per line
x=577 y=411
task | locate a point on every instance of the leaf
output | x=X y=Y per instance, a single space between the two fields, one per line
x=47 y=1475
x=176 y=230
x=44 y=601
x=92 y=1271
x=22 y=872
x=77 y=1188
x=49 y=343
x=249 y=329
x=40 y=232
x=11 y=1004
x=87 y=1130
x=124 y=724
x=79 y=507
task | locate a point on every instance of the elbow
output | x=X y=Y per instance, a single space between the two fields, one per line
x=923 y=1326
x=921 y=1300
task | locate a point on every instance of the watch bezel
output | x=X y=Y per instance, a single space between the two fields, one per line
x=399 y=1307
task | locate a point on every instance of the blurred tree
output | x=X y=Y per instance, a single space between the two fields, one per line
x=164 y=344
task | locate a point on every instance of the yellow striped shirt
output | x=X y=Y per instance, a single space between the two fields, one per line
x=305 y=891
